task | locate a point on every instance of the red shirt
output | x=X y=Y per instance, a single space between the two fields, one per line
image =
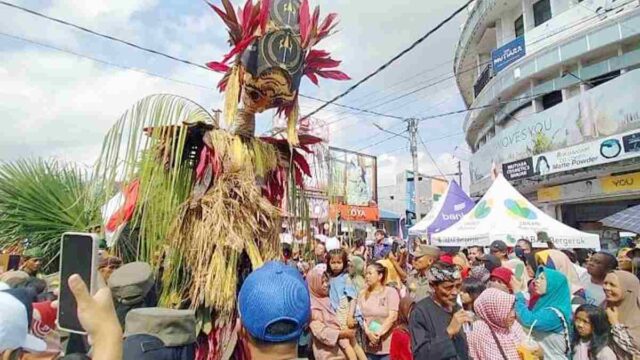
x=400 y=345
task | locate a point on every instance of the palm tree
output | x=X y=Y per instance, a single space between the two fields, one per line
x=41 y=199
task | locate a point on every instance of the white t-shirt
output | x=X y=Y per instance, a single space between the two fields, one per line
x=594 y=293
x=583 y=274
x=581 y=352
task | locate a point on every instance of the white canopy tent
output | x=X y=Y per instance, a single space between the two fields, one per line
x=450 y=208
x=504 y=214
x=421 y=227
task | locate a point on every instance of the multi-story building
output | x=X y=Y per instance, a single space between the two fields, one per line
x=400 y=197
x=554 y=99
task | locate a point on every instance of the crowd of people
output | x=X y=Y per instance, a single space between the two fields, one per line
x=475 y=303
x=379 y=301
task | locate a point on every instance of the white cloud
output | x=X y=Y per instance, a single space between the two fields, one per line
x=54 y=104
x=99 y=10
x=389 y=165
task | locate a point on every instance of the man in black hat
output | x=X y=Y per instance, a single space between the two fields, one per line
x=436 y=321
x=500 y=250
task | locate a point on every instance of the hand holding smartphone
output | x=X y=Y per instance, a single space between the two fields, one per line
x=79 y=255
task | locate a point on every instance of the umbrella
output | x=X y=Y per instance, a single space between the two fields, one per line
x=628 y=219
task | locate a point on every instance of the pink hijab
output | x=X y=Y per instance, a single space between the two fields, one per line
x=319 y=297
x=492 y=308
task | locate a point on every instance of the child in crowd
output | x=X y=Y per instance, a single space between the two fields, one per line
x=401 y=337
x=469 y=292
x=342 y=294
x=591 y=335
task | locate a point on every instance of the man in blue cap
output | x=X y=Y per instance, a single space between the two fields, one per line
x=274 y=307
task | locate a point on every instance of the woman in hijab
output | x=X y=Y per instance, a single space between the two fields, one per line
x=557 y=260
x=551 y=314
x=356 y=272
x=324 y=326
x=401 y=337
x=622 y=305
x=496 y=334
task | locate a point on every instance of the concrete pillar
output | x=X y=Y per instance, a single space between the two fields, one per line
x=501 y=37
x=558 y=6
x=527 y=14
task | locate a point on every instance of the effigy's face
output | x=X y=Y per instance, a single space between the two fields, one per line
x=271 y=89
x=273 y=64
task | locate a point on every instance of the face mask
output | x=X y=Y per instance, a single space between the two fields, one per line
x=519 y=252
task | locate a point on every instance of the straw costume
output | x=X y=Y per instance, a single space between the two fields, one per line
x=201 y=203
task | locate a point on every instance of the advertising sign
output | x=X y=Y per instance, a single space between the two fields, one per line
x=354 y=213
x=608 y=185
x=620 y=183
x=609 y=109
x=353 y=177
x=508 y=54
x=575 y=157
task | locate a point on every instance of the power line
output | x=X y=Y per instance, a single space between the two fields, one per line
x=353 y=108
x=104 y=62
x=542 y=37
x=2 y=2
x=188 y=62
x=393 y=136
x=112 y=38
x=394 y=59
x=431 y=157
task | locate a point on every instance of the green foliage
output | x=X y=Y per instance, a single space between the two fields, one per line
x=41 y=199
x=148 y=143
x=541 y=143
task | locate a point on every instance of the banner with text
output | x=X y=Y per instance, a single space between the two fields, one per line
x=593 y=153
x=609 y=109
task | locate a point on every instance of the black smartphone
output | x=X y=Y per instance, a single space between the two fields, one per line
x=78 y=255
x=13 y=263
x=394 y=247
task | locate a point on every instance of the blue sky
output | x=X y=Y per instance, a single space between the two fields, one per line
x=53 y=104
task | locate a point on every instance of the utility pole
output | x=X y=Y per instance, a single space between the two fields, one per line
x=413 y=139
x=459 y=174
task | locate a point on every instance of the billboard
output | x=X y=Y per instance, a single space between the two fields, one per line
x=607 y=110
x=508 y=53
x=593 y=153
x=352 y=177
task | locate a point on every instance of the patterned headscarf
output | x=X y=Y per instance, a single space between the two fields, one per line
x=438 y=275
x=493 y=307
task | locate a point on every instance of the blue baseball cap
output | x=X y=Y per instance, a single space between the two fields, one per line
x=274 y=303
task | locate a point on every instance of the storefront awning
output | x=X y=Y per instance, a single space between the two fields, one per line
x=388 y=215
x=628 y=220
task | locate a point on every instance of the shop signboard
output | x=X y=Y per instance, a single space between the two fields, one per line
x=608 y=185
x=604 y=111
x=621 y=183
x=593 y=153
x=354 y=213
x=508 y=54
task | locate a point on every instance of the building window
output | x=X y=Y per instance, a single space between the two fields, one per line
x=551 y=99
x=519 y=26
x=604 y=78
x=541 y=12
